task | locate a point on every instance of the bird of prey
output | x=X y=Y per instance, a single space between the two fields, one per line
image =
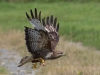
x=42 y=39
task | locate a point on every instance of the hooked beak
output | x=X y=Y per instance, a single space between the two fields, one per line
x=63 y=54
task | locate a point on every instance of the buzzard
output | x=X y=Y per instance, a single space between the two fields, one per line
x=42 y=39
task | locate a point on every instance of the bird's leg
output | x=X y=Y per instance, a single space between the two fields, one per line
x=34 y=65
x=42 y=62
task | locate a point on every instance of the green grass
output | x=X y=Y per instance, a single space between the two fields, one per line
x=3 y=70
x=78 y=21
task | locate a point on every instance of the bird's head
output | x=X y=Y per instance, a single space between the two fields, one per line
x=58 y=54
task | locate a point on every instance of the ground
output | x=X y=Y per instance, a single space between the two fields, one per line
x=10 y=59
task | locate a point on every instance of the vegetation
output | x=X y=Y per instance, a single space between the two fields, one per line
x=13 y=40
x=79 y=60
x=82 y=1
x=79 y=22
x=3 y=70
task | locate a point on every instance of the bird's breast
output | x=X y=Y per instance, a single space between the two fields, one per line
x=49 y=55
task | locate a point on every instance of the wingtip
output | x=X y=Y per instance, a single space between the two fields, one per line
x=51 y=19
x=35 y=9
x=26 y=13
x=40 y=16
x=43 y=21
x=35 y=13
x=52 y=15
x=31 y=11
x=57 y=29
x=19 y=65
x=25 y=26
x=47 y=20
x=55 y=21
x=28 y=16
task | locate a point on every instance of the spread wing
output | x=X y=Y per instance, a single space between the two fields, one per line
x=51 y=26
x=44 y=36
x=37 y=38
x=35 y=20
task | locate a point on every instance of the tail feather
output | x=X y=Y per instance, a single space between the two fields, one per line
x=25 y=60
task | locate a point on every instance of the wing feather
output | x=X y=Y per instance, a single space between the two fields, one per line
x=32 y=14
x=39 y=38
x=47 y=20
x=51 y=26
x=35 y=20
x=57 y=28
x=36 y=13
x=51 y=19
x=36 y=40
x=28 y=17
x=43 y=21
x=55 y=21
x=40 y=16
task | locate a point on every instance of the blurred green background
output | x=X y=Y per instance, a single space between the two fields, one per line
x=50 y=0
x=79 y=19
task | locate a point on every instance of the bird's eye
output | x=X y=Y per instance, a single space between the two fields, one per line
x=61 y=53
x=50 y=35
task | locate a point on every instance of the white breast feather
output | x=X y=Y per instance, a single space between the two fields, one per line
x=49 y=55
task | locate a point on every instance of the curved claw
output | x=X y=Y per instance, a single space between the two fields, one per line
x=42 y=64
x=34 y=65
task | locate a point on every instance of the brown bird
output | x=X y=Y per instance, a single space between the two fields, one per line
x=42 y=39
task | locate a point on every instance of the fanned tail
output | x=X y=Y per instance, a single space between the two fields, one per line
x=25 y=60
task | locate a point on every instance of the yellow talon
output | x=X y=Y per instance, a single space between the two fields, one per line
x=42 y=62
x=34 y=65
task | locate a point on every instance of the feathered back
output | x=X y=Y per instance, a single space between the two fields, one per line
x=44 y=36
